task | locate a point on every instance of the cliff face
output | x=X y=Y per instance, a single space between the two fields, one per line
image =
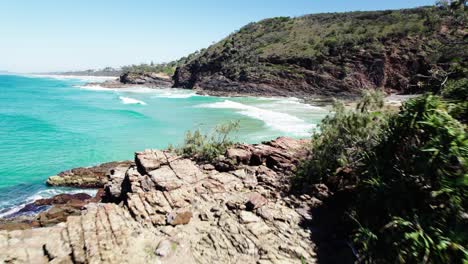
x=327 y=54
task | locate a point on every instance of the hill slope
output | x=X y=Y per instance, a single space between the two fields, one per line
x=330 y=54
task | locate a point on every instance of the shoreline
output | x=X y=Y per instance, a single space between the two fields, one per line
x=392 y=99
x=322 y=101
x=164 y=198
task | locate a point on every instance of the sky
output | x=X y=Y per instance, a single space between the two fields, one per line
x=61 y=35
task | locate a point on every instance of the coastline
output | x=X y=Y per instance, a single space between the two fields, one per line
x=164 y=199
x=391 y=99
x=322 y=101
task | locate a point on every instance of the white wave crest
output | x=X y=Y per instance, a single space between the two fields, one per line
x=43 y=194
x=75 y=77
x=128 y=100
x=279 y=121
x=174 y=94
x=96 y=88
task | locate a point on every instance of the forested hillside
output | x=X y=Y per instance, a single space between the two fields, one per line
x=330 y=54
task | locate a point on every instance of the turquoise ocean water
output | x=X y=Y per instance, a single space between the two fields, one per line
x=48 y=125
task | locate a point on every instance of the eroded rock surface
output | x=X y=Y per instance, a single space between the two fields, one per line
x=175 y=210
x=87 y=177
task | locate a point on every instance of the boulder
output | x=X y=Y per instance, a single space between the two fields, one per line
x=248 y=217
x=164 y=248
x=150 y=160
x=179 y=217
x=85 y=177
x=115 y=181
x=255 y=201
x=241 y=156
x=165 y=178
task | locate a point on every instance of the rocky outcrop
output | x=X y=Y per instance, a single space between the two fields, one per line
x=335 y=54
x=175 y=210
x=49 y=211
x=87 y=177
x=105 y=233
x=397 y=68
x=146 y=78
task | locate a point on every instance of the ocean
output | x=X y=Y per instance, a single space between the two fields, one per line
x=51 y=124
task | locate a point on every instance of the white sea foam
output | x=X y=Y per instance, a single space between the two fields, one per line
x=75 y=77
x=43 y=194
x=277 y=120
x=172 y=93
x=96 y=88
x=175 y=94
x=128 y=100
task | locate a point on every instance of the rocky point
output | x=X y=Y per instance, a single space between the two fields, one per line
x=165 y=208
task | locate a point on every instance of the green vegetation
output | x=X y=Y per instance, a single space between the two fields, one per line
x=411 y=195
x=344 y=137
x=320 y=48
x=208 y=147
x=404 y=175
x=164 y=68
x=408 y=172
x=107 y=71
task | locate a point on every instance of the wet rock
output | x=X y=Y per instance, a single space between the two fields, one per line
x=63 y=199
x=58 y=214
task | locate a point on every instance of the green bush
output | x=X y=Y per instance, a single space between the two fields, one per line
x=408 y=176
x=456 y=90
x=343 y=139
x=411 y=202
x=207 y=147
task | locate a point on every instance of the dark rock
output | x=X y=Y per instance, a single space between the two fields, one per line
x=146 y=78
x=63 y=199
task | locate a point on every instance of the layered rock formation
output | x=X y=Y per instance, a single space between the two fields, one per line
x=172 y=209
x=87 y=177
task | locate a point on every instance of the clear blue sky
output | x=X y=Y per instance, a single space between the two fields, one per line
x=53 y=35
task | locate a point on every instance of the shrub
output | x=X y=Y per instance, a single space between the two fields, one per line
x=207 y=147
x=343 y=139
x=456 y=90
x=408 y=176
x=412 y=197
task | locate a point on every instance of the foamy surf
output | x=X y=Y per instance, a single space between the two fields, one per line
x=128 y=100
x=277 y=120
x=43 y=194
x=96 y=88
x=174 y=94
x=74 y=77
